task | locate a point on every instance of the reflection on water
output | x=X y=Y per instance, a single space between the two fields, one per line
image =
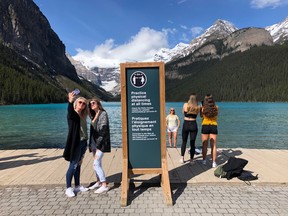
x=246 y=125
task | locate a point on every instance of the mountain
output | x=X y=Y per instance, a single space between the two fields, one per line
x=219 y=41
x=166 y=54
x=249 y=64
x=83 y=72
x=27 y=38
x=279 y=31
x=257 y=74
x=25 y=29
x=220 y=29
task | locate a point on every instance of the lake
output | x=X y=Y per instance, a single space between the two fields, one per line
x=245 y=125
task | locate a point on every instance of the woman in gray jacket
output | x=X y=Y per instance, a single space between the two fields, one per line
x=99 y=142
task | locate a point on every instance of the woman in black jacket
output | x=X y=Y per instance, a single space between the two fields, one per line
x=76 y=143
x=99 y=142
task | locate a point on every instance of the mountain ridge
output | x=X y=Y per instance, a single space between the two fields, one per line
x=218 y=30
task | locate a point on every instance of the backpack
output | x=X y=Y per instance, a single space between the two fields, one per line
x=219 y=172
x=234 y=167
x=231 y=169
x=247 y=176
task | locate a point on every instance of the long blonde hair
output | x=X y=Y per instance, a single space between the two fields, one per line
x=192 y=104
x=84 y=112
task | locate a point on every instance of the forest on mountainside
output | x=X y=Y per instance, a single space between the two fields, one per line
x=259 y=74
x=21 y=82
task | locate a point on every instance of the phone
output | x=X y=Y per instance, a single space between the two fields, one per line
x=76 y=91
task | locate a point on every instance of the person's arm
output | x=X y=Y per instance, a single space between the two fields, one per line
x=178 y=120
x=71 y=112
x=103 y=127
x=184 y=108
x=201 y=111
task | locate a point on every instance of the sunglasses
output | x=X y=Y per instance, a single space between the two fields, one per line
x=82 y=102
x=172 y=110
x=93 y=102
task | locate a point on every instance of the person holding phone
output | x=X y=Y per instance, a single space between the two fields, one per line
x=76 y=143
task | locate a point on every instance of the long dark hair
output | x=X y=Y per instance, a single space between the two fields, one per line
x=209 y=107
x=92 y=112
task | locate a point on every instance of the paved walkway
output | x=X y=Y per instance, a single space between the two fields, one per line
x=188 y=199
x=32 y=183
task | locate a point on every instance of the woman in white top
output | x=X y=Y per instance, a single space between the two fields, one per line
x=172 y=124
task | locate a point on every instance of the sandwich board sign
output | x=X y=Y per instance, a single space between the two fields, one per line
x=143 y=124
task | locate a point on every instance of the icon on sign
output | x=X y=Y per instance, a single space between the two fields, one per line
x=138 y=79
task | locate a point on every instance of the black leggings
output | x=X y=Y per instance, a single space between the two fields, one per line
x=189 y=127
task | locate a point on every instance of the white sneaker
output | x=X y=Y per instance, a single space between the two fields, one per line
x=102 y=189
x=214 y=164
x=204 y=162
x=80 y=188
x=181 y=160
x=70 y=192
x=96 y=185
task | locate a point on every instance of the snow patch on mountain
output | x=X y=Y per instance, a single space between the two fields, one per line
x=219 y=30
x=279 y=31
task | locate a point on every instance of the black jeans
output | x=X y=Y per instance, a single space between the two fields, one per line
x=189 y=127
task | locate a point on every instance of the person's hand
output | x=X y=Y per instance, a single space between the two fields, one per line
x=71 y=97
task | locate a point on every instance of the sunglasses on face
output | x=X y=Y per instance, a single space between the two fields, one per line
x=82 y=102
x=93 y=102
x=172 y=110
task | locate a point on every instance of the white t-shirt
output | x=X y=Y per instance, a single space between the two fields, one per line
x=172 y=120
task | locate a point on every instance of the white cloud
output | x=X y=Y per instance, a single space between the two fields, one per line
x=185 y=38
x=181 y=1
x=267 y=3
x=141 y=47
x=195 y=31
x=184 y=27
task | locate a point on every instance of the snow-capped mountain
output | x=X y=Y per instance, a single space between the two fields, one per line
x=83 y=72
x=166 y=54
x=279 y=31
x=109 y=78
x=220 y=29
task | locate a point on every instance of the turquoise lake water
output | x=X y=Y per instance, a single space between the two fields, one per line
x=245 y=125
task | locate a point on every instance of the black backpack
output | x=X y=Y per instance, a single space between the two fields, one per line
x=247 y=176
x=233 y=167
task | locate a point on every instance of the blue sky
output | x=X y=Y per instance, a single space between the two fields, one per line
x=106 y=32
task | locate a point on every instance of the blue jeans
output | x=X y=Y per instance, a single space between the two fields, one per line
x=97 y=165
x=75 y=165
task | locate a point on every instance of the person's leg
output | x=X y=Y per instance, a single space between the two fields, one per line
x=83 y=147
x=70 y=173
x=193 y=128
x=193 y=135
x=204 y=145
x=213 y=140
x=170 y=138
x=98 y=167
x=100 y=172
x=185 y=134
x=175 y=138
x=97 y=184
